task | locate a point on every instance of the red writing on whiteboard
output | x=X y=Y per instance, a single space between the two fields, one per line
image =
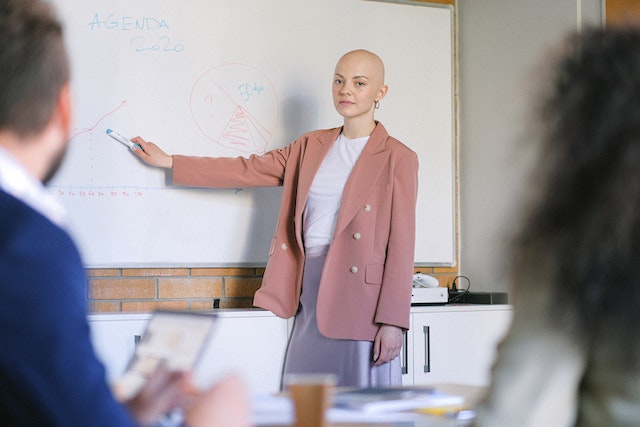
x=97 y=194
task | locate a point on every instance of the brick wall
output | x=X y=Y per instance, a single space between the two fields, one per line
x=145 y=289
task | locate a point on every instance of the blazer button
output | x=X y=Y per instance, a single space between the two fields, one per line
x=357 y=236
x=354 y=269
x=367 y=208
x=284 y=247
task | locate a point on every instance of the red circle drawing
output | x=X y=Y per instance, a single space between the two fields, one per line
x=236 y=106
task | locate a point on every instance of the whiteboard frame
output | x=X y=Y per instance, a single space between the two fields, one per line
x=453 y=179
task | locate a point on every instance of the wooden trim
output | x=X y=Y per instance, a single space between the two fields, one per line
x=451 y=2
x=622 y=12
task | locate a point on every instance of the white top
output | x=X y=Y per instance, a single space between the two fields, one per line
x=321 y=211
x=15 y=180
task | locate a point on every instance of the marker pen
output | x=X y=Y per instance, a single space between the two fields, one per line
x=122 y=139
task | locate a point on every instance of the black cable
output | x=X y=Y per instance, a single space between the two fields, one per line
x=462 y=277
x=456 y=294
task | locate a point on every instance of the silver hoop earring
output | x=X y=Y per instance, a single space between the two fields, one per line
x=377 y=104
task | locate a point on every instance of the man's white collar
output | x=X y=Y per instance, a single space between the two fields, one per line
x=15 y=180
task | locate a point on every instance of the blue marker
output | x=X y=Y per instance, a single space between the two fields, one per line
x=122 y=139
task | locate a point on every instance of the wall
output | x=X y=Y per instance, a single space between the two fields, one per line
x=501 y=47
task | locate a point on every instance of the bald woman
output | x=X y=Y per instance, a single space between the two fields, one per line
x=341 y=257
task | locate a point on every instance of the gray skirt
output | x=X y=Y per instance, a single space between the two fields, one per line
x=311 y=352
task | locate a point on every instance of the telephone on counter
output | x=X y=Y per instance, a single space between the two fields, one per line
x=427 y=291
x=424 y=281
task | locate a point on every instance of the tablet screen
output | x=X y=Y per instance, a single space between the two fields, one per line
x=174 y=339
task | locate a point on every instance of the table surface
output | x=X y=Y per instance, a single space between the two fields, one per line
x=472 y=395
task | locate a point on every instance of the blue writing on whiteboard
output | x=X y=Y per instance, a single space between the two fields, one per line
x=149 y=34
x=127 y=23
x=163 y=44
x=247 y=90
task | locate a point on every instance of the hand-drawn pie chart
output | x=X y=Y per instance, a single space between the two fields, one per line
x=236 y=106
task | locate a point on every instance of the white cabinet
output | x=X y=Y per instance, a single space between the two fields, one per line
x=253 y=346
x=248 y=342
x=455 y=344
x=114 y=338
x=446 y=344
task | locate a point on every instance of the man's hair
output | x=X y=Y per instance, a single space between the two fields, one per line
x=33 y=65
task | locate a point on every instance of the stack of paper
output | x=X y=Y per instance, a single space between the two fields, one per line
x=378 y=400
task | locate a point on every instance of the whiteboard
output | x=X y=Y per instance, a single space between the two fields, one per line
x=231 y=78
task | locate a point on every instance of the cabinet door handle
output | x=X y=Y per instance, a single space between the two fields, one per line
x=136 y=339
x=427 y=349
x=405 y=354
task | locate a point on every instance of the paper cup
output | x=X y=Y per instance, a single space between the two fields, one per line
x=311 y=395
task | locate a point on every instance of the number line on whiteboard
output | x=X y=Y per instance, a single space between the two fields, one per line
x=135 y=187
x=91 y=129
x=80 y=192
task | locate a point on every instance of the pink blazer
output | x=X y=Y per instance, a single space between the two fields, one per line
x=367 y=274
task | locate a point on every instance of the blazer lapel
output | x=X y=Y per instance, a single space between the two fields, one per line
x=364 y=175
x=315 y=152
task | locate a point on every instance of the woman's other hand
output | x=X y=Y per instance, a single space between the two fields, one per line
x=387 y=344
